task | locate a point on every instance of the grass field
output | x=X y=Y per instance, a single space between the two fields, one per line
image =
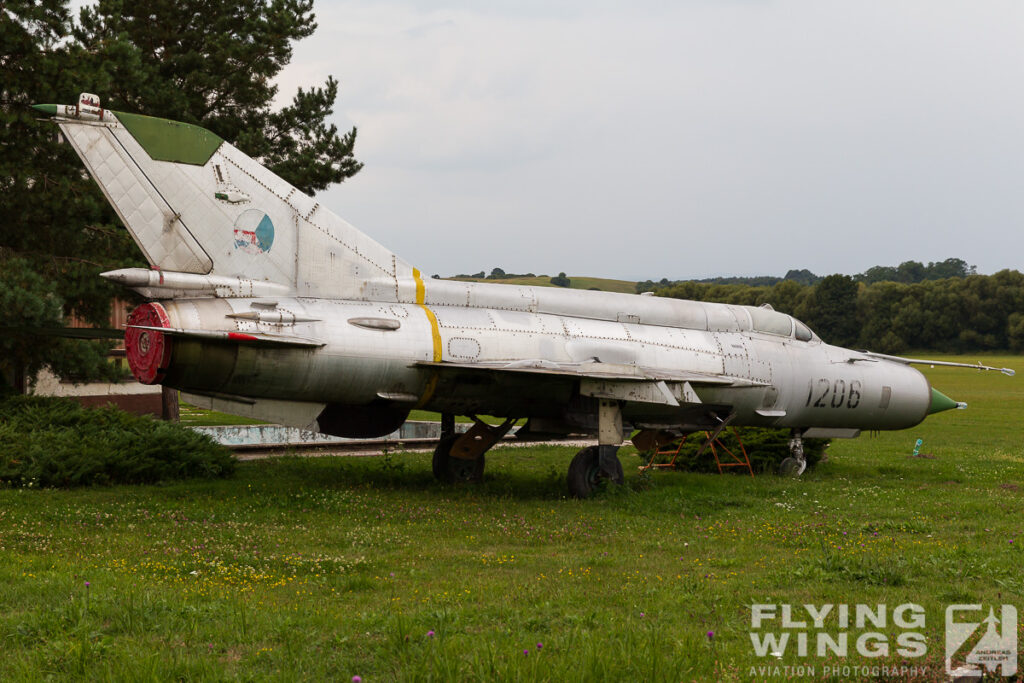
x=330 y=568
x=194 y=416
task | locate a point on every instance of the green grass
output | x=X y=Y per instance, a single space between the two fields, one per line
x=430 y=416
x=195 y=416
x=603 y=284
x=325 y=568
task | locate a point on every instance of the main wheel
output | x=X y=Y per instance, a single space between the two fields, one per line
x=585 y=475
x=450 y=469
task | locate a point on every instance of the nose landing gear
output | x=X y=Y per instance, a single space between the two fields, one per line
x=796 y=463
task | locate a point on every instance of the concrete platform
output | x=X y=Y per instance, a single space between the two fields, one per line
x=268 y=436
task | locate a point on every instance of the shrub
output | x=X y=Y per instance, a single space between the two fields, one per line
x=56 y=442
x=766 y=448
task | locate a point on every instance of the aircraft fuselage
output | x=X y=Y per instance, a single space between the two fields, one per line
x=376 y=353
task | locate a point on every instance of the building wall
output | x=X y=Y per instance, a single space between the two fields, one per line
x=127 y=395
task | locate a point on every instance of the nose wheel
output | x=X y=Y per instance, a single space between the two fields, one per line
x=796 y=463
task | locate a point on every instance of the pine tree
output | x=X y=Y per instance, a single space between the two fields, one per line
x=211 y=63
x=55 y=230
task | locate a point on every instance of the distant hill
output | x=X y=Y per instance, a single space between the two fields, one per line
x=906 y=272
x=803 y=277
x=602 y=284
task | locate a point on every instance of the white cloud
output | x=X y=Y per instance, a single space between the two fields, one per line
x=681 y=140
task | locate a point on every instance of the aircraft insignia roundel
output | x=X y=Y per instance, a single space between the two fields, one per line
x=254 y=232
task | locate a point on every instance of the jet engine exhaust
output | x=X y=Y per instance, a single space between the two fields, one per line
x=148 y=351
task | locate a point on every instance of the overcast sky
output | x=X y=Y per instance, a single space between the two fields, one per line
x=697 y=138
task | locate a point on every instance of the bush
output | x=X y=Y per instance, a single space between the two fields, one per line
x=561 y=280
x=56 y=442
x=766 y=448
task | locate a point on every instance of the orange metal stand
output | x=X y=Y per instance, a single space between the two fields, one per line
x=674 y=447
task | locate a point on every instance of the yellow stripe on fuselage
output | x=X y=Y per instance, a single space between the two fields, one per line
x=435 y=333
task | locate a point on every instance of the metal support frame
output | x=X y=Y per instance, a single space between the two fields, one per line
x=673 y=449
x=609 y=435
x=722 y=424
x=609 y=422
x=736 y=460
x=711 y=438
x=479 y=438
x=447 y=424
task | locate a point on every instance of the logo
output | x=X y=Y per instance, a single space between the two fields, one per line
x=871 y=631
x=805 y=640
x=982 y=645
x=254 y=232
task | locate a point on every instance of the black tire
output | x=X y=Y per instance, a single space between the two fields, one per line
x=585 y=475
x=791 y=467
x=451 y=470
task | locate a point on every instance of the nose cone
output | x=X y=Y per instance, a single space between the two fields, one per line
x=48 y=109
x=940 y=402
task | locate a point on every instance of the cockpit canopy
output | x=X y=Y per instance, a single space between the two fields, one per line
x=767 y=321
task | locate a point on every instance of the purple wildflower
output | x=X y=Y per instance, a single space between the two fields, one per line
x=540 y=646
x=526 y=652
x=357 y=679
x=430 y=634
x=711 y=635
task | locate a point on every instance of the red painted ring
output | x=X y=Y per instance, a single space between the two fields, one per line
x=148 y=351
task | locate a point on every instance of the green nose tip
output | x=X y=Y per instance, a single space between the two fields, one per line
x=940 y=402
x=48 y=109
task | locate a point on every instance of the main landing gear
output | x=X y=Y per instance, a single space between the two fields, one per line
x=595 y=466
x=592 y=469
x=460 y=457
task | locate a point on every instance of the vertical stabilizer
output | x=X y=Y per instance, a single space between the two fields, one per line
x=196 y=204
x=112 y=157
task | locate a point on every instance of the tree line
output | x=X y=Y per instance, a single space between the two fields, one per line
x=560 y=280
x=496 y=274
x=955 y=314
x=908 y=271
